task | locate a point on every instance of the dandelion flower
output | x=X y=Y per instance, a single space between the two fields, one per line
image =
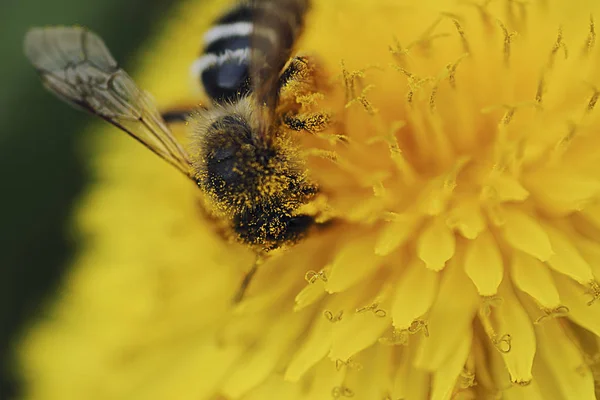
x=460 y=175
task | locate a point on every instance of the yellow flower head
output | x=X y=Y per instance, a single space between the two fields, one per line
x=460 y=179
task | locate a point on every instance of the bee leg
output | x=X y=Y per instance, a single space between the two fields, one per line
x=175 y=116
x=298 y=66
x=313 y=122
x=247 y=280
x=305 y=74
x=179 y=115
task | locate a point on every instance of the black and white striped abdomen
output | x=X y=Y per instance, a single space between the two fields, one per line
x=247 y=47
x=223 y=68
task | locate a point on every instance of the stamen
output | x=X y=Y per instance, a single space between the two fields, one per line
x=349 y=363
x=591 y=39
x=450 y=178
x=333 y=318
x=510 y=110
x=320 y=153
x=507 y=42
x=489 y=302
x=341 y=391
x=397 y=157
x=593 y=100
x=399 y=52
x=312 y=276
x=378 y=312
x=563 y=143
x=350 y=79
x=550 y=313
x=559 y=44
x=593 y=290
x=414 y=83
x=452 y=70
x=502 y=343
x=466 y=379
x=362 y=99
x=432 y=98
x=522 y=383
x=508 y=116
x=400 y=336
x=463 y=38
x=541 y=88
x=419 y=325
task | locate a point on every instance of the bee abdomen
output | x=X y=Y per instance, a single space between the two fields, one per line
x=265 y=27
x=223 y=68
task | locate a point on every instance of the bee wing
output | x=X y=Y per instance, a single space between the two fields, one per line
x=276 y=26
x=75 y=65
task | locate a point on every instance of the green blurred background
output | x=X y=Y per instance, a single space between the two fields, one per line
x=42 y=168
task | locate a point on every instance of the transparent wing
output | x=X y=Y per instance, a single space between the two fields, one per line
x=276 y=27
x=75 y=65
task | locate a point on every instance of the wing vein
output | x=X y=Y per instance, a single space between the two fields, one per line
x=75 y=65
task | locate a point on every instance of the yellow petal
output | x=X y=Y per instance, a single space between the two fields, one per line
x=410 y=382
x=365 y=210
x=590 y=251
x=436 y=244
x=356 y=332
x=326 y=378
x=310 y=294
x=174 y=379
x=374 y=379
x=531 y=391
x=260 y=363
x=507 y=188
x=449 y=320
x=560 y=192
x=534 y=278
x=352 y=263
x=483 y=264
x=467 y=219
x=313 y=349
x=515 y=321
x=415 y=293
x=573 y=295
x=524 y=233
x=547 y=385
x=444 y=378
x=276 y=388
x=395 y=234
x=592 y=214
x=566 y=259
x=563 y=360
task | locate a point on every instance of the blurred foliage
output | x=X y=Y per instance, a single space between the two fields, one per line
x=41 y=170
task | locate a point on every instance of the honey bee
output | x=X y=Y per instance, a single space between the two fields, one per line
x=242 y=157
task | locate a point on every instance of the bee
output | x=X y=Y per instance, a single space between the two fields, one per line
x=242 y=156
